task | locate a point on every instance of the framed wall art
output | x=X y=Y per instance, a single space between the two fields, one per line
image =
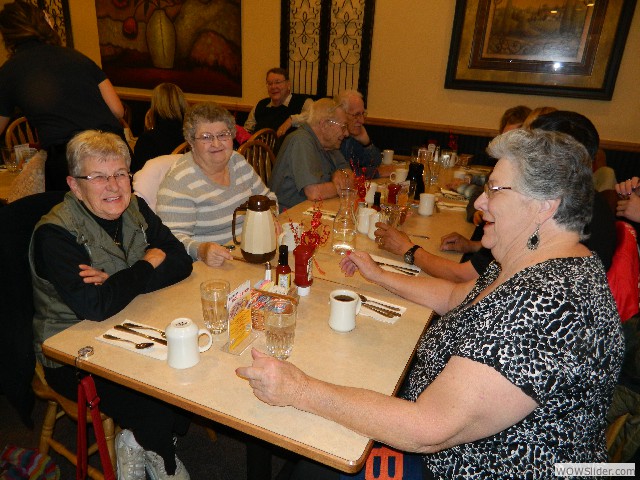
x=568 y=48
x=193 y=43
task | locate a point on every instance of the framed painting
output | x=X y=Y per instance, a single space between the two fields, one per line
x=195 y=44
x=567 y=48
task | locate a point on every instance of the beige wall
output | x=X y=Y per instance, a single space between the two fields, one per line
x=409 y=59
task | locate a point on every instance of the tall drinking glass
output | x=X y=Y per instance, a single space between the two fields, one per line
x=280 y=328
x=213 y=294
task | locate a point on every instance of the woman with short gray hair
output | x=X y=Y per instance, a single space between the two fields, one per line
x=197 y=197
x=518 y=374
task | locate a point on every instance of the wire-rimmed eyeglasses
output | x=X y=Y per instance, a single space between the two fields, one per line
x=343 y=126
x=221 y=137
x=491 y=191
x=358 y=114
x=276 y=83
x=101 y=179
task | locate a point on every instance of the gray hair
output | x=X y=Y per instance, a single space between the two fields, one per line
x=208 y=112
x=323 y=109
x=95 y=144
x=550 y=165
x=343 y=97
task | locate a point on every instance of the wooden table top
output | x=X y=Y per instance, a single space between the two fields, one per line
x=375 y=355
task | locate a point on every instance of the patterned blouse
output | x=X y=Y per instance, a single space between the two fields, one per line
x=553 y=330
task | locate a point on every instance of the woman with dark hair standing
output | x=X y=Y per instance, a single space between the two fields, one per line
x=59 y=90
x=163 y=125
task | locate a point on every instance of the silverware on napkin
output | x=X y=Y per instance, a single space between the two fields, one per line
x=122 y=328
x=382 y=311
x=405 y=270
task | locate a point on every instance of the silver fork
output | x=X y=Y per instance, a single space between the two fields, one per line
x=375 y=302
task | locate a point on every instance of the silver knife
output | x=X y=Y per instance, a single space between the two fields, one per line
x=406 y=270
x=382 y=311
x=161 y=341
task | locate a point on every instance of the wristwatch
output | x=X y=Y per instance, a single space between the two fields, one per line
x=408 y=257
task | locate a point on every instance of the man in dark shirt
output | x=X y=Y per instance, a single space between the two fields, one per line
x=281 y=110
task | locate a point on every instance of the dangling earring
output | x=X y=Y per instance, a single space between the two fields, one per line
x=534 y=240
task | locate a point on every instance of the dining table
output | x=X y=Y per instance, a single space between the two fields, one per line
x=375 y=355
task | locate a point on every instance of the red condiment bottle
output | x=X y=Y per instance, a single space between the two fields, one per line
x=283 y=271
x=303 y=255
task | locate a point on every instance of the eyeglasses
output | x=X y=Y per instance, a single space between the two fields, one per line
x=343 y=126
x=275 y=83
x=99 y=179
x=359 y=114
x=491 y=191
x=207 y=138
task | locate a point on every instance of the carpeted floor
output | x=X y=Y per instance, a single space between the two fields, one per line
x=223 y=459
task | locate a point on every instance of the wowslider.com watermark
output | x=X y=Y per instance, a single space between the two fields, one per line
x=595 y=469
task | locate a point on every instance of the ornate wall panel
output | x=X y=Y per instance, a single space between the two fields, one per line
x=58 y=10
x=326 y=44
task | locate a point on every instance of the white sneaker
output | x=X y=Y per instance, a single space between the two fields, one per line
x=130 y=460
x=156 y=471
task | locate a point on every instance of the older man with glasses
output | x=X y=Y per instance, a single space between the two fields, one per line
x=309 y=164
x=357 y=148
x=281 y=110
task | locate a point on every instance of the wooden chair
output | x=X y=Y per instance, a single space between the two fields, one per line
x=266 y=135
x=20 y=132
x=184 y=147
x=58 y=407
x=259 y=156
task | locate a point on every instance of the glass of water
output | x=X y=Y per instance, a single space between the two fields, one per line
x=280 y=328
x=213 y=294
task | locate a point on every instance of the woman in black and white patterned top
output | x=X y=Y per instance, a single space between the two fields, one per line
x=518 y=373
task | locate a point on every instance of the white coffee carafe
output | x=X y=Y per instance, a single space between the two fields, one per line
x=183 y=350
x=258 y=243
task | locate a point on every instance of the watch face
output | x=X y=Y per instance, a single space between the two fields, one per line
x=408 y=258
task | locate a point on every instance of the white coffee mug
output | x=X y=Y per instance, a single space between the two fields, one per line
x=373 y=219
x=399 y=175
x=427 y=202
x=183 y=350
x=364 y=215
x=387 y=157
x=345 y=305
x=289 y=233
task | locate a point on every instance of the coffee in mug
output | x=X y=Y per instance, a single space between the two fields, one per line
x=345 y=305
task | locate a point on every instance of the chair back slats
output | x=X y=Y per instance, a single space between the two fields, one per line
x=20 y=132
x=184 y=147
x=260 y=157
x=266 y=135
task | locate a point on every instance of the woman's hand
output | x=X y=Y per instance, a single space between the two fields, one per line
x=454 y=242
x=627 y=187
x=629 y=208
x=274 y=381
x=391 y=239
x=93 y=275
x=213 y=254
x=154 y=256
x=363 y=262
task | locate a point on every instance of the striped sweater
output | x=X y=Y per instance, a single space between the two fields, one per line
x=198 y=210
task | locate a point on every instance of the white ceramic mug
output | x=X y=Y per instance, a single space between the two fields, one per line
x=427 y=202
x=387 y=157
x=399 y=175
x=364 y=214
x=288 y=237
x=183 y=350
x=373 y=219
x=345 y=305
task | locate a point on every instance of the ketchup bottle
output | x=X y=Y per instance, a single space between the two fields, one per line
x=303 y=255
